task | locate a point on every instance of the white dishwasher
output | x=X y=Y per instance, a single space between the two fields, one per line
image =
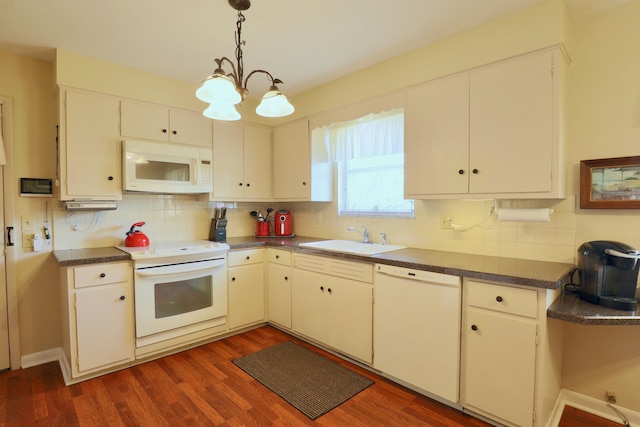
x=416 y=329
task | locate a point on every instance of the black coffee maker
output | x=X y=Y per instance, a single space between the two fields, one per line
x=608 y=273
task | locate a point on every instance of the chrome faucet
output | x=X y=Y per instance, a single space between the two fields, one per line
x=384 y=237
x=364 y=234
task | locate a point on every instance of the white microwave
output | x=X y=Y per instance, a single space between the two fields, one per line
x=155 y=167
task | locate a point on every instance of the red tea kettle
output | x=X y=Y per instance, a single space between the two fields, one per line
x=136 y=237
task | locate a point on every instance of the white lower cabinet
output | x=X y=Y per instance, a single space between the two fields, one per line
x=245 y=281
x=279 y=287
x=98 y=319
x=332 y=303
x=508 y=372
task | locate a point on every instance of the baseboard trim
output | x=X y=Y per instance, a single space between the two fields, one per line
x=42 y=357
x=591 y=405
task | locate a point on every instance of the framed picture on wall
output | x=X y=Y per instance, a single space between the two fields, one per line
x=610 y=183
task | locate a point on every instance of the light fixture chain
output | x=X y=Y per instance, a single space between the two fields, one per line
x=239 y=43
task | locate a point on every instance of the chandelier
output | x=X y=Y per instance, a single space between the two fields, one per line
x=222 y=90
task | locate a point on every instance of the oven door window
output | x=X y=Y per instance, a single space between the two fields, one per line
x=184 y=296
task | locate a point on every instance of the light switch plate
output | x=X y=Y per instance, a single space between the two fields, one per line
x=27 y=223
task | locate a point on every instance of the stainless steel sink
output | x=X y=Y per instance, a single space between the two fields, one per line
x=351 y=247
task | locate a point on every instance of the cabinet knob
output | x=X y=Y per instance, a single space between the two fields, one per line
x=329 y=290
x=175 y=132
x=102 y=275
x=322 y=288
x=164 y=131
x=240 y=184
x=248 y=257
x=304 y=183
x=122 y=297
x=248 y=185
x=286 y=278
x=474 y=328
x=277 y=256
x=499 y=298
x=233 y=279
x=461 y=171
x=110 y=178
x=475 y=171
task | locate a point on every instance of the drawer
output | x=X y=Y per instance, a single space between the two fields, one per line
x=102 y=274
x=359 y=271
x=245 y=257
x=278 y=256
x=523 y=302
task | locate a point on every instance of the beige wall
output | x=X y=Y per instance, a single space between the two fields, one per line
x=603 y=122
x=30 y=85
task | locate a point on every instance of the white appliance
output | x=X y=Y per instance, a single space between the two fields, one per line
x=155 y=167
x=179 y=289
x=417 y=329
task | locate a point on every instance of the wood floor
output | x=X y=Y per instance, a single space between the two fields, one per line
x=201 y=387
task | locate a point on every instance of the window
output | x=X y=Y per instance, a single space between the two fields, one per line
x=370 y=155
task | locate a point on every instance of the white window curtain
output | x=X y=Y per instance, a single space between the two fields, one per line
x=373 y=135
x=3 y=156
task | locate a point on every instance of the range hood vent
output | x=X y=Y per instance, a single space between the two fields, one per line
x=90 y=205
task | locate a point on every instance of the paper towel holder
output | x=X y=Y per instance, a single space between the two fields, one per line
x=523 y=214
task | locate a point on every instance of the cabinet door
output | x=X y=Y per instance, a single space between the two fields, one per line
x=93 y=166
x=146 y=121
x=246 y=295
x=500 y=365
x=291 y=161
x=104 y=326
x=349 y=324
x=279 y=294
x=436 y=149
x=511 y=122
x=228 y=158
x=308 y=304
x=190 y=128
x=257 y=162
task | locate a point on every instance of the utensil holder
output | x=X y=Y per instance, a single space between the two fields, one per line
x=263 y=229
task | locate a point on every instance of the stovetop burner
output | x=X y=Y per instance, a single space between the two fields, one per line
x=175 y=249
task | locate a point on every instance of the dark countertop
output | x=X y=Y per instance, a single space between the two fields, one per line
x=537 y=274
x=89 y=256
x=569 y=307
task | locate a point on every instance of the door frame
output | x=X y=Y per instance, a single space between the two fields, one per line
x=9 y=188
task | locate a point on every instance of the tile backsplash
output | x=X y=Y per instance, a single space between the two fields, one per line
x=170 y=218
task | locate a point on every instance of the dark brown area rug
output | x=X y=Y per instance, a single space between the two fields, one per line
x=311 y=383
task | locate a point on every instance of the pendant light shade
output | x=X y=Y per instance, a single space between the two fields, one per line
x=222 y=111
x=218 y=88
x=274 y=104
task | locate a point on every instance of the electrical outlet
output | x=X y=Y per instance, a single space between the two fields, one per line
x=27 y=240
x=27 y=223
x=611 y=396
x=445 y=221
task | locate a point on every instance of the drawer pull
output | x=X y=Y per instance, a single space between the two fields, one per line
x=499 y=298
x=277 y=256
x=122 y=297
x=102 y=275
x=248 y=257
x=474 y=328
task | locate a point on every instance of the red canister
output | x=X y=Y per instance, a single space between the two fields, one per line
x=282 y=223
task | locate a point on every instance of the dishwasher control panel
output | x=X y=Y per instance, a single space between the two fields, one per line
x=421 y=275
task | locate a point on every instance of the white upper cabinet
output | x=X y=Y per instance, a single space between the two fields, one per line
x=491 y=132
x=89 y=146
x=241 y=161
x=159 y=123
x=302 y=169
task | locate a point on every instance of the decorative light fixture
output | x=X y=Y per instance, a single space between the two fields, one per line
x=224 y=90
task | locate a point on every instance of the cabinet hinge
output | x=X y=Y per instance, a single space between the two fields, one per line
x=537 y=340
x=553 y=69
x=533 y=415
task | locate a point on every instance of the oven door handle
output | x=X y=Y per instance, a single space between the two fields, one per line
x=168 y=270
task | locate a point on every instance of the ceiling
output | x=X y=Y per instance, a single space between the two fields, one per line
x=304 y=43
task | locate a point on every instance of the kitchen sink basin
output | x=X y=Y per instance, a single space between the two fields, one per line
x=351 y=247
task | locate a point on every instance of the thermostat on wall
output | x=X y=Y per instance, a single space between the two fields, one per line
x=36 y=187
